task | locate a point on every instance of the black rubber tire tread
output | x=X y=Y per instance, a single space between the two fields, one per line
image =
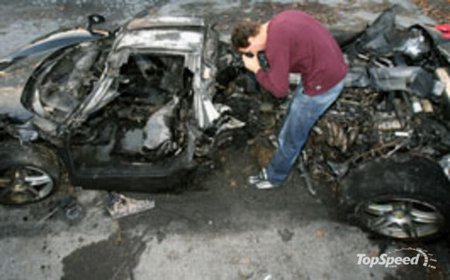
x=400 y=177
x=13 y=153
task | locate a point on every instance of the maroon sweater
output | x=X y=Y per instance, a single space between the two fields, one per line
x=297 y=43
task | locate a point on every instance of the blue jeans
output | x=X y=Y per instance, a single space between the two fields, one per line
x=303 y=113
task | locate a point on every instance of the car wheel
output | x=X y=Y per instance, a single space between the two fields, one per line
x=27 y=173
x=403 y=198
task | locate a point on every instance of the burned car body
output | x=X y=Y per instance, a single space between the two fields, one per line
x=137 y=110
x=131 y=110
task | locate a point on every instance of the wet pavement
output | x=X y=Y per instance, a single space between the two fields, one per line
x=217 y=227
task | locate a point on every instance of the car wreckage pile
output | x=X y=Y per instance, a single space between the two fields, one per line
x=146 y=105
x=393 y=103
x=386 y=140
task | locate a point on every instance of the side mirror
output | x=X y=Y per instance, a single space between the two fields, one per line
x=93 y=20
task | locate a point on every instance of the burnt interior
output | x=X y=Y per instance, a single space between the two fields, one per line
x=147 y=121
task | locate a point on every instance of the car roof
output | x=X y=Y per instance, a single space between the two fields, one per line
x=165 y=39
x=147 y=30
x=151 y=21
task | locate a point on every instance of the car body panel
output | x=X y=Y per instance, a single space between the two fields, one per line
x=50 y=43
x=15 y=108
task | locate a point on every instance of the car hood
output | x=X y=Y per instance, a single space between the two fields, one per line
x=15 y=67
x=49 y=43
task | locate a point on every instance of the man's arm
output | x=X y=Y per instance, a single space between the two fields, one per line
x=276 y=78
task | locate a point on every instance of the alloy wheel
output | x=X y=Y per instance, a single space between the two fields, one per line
x=24 y=184
x=401 y=218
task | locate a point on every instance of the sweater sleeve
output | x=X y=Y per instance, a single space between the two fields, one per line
x=276 y=78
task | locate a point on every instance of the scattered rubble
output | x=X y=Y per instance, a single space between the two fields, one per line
x=73 y=211
x=120 y=206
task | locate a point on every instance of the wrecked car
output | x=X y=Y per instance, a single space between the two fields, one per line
x=137 y=109
x=125 y=110
x=385 y=143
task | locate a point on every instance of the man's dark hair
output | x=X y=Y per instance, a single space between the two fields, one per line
x=243 y=31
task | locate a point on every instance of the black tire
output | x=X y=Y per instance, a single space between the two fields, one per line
x=28 y=173
x=404 y=198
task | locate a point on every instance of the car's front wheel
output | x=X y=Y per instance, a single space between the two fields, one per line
x=27 y=173
x=403 y=198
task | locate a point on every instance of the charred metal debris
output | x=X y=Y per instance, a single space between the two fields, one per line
x=396 y=101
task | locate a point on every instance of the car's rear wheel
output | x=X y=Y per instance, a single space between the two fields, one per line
x=27 y=173
x=403 y=198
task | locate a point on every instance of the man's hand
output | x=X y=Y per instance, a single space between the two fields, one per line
x=251 y=63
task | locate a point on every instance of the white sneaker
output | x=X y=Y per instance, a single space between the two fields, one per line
x=261 y=181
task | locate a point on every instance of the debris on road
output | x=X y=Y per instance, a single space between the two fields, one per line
x=72 y=210
x=120 y=206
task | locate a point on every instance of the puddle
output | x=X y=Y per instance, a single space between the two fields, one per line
x=114 y=258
